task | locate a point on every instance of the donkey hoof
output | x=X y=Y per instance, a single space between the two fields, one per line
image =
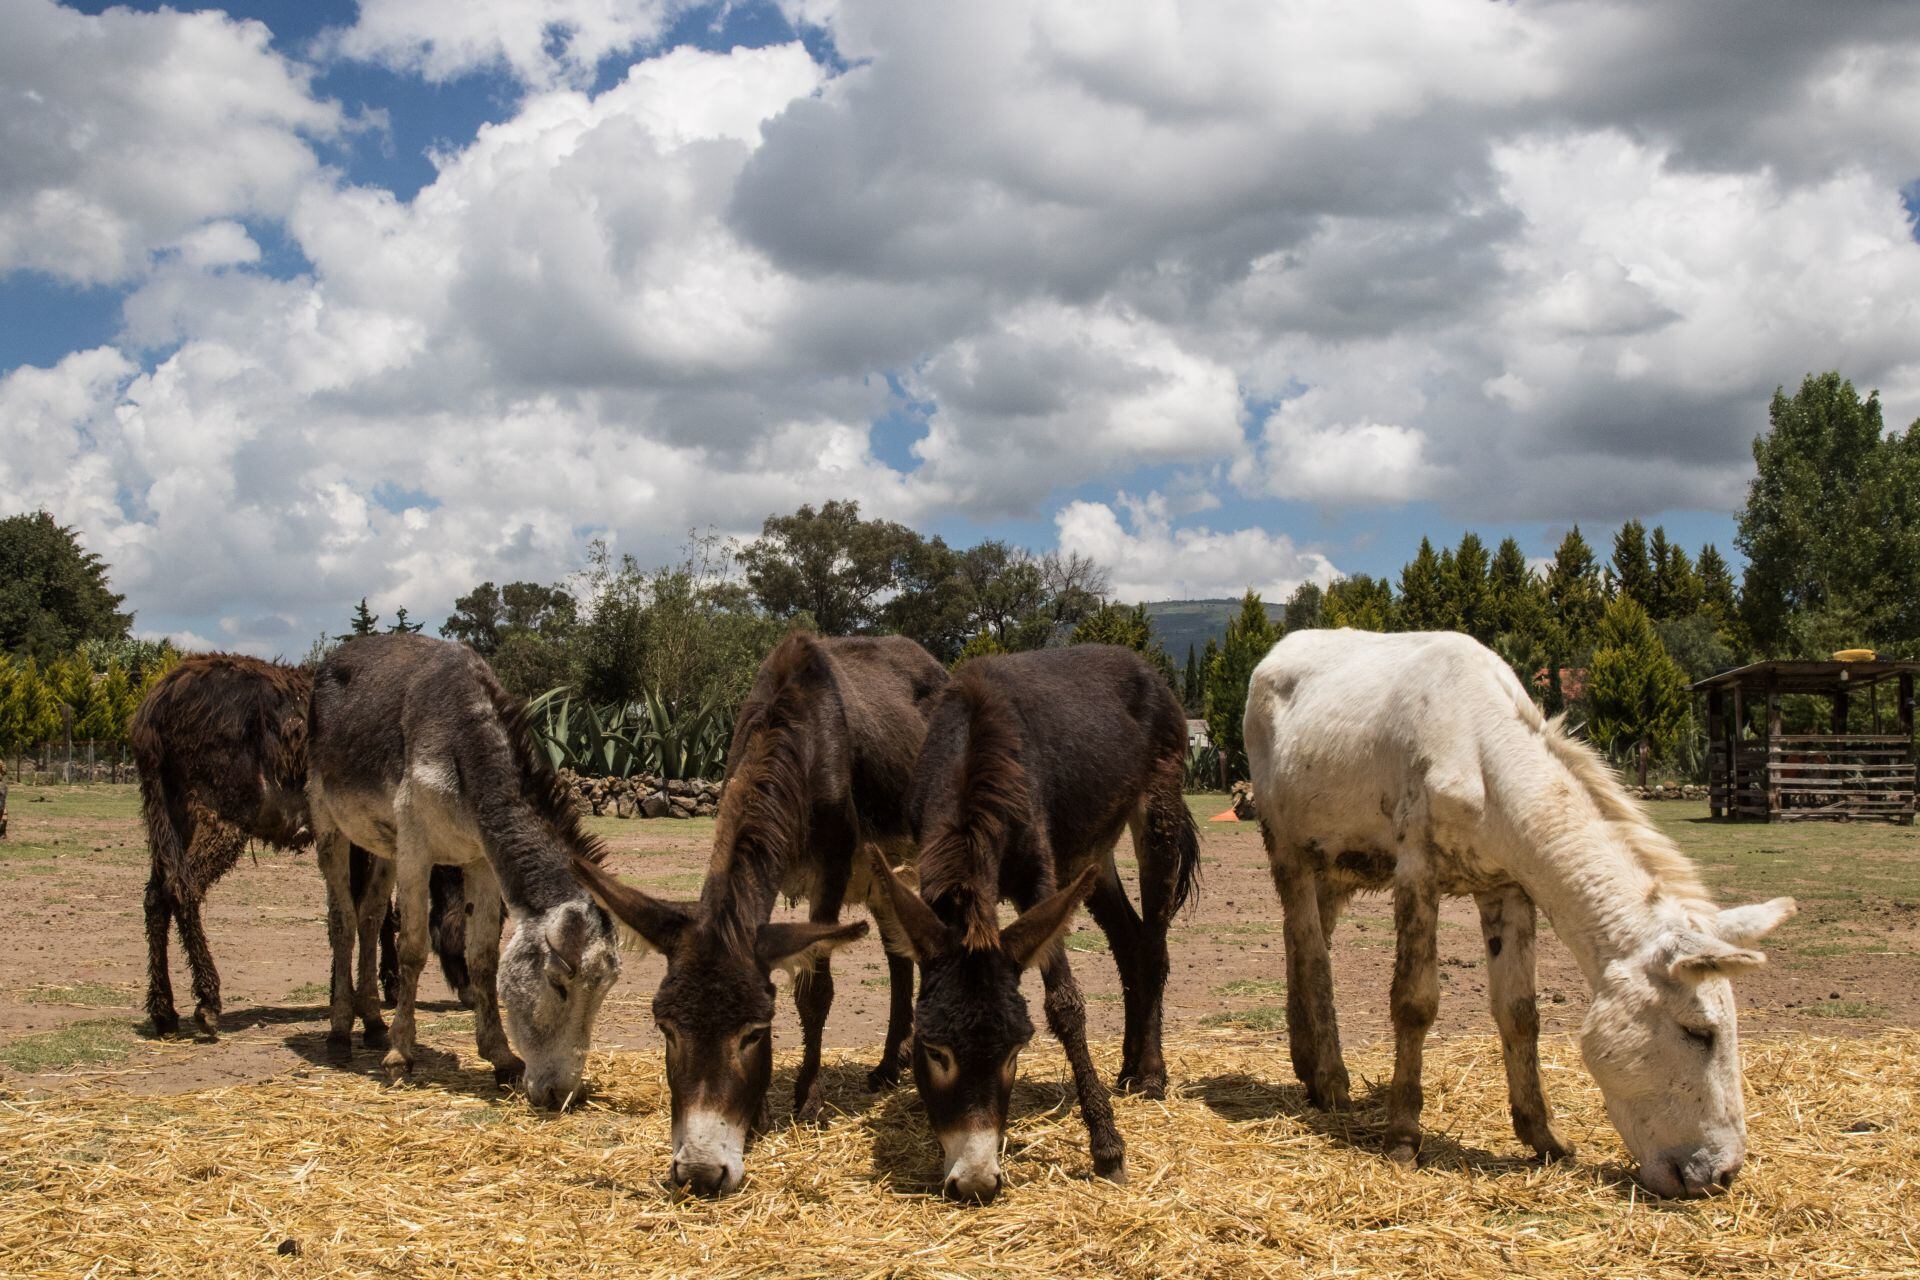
x=166 y=1024
x=1404 y=1154
x=397 y=1066
x=807 y=1110
x=1111 y=1168
x=1553 y=1148
x=883 y=1077
x=339 y=1046
x=1148 y=1086
x=506 y=1075
x=374 y=1036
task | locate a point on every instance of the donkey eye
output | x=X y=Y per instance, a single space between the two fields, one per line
x=666 y=1031
x=559 y=987
x=753 y=1037
x=1702 y=1036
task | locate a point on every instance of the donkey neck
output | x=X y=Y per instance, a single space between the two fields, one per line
x=1602 y=902
x=531 y=863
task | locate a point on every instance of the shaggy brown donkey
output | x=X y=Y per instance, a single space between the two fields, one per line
x=220 y=743
x=1033 y=766
x=821 y=760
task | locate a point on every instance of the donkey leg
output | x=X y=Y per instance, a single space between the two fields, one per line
x=1163 y=841
x=484 y=909
x=373 y=910
x=899 y=1024
x=1313 y=1033
x=1117 y=919
x=1067 y=1019
x=1507 y=924
x=1416 y=998
x=331 y=852
x=166 y=1021
x=206 y=978
x=411 y=868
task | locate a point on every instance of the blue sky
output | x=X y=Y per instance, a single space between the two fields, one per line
x=399 y=298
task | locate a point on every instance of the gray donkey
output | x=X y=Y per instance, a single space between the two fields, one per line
x=417 y=755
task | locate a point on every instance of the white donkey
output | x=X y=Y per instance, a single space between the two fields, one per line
x=1418 y=762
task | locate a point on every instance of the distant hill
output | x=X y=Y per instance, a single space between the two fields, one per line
x=1179 y=623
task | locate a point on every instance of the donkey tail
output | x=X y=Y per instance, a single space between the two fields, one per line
x=1168 y=811
x=994 y=800
x=157 y=803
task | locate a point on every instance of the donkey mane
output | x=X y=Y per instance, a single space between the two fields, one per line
x=1673 y=873
x=540 y=786
x=993 y=798
x=766 y=805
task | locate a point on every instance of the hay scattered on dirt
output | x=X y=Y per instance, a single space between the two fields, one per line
x=324 y=1173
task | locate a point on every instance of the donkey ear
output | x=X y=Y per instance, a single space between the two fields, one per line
x=1742 y=926
x=1030 y=939
x=567 y=939
x=794 y=947
x=1700 y=957
x=920 y=930
x=658 y=924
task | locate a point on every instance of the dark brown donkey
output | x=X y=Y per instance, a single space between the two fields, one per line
x=220 y=743
x=819 y=767
x=1033 y=766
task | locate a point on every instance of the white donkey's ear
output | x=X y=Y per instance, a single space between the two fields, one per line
x=1698 y=957
x=1742 y=926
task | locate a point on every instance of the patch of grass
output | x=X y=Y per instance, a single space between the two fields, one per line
x=1265 y=1017
x=96 y=1040
x=882 y=981
x=85 y=995
x=309 y=992
x=684 y=882
x=1862 y=1010
x=1086 y=940
x=1252 y=989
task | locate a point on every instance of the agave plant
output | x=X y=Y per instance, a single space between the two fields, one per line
x=617 y=740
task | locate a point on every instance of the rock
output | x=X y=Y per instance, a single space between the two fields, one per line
x=623 y=805
x=655 y=806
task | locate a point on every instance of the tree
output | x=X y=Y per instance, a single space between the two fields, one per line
x=1469 y=590
x=1423 y=592
x=1193 y=695
x=1635 y=692
x=1574 y=601
x=401 y=625
x=365 y=622
x=1127 y=626
x=828 y=565
x=1674 y=591
x=1631 y=573
x=483 y=618
x=1362 y=602
x=1716 y=586
x=54 y=593
x=1509 y=580
x=1832 y=523
x=1304 y=607
x=1249 y=636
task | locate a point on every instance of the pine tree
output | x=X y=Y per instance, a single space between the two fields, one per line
x=1192 y=695
x=1631 y=572
x=1249 y=636
x=1675 y=591
x=1361 y=602
x=1305 y=607
x=1574 y=600
x=1636 y=692
x=1471 y=590
x=1423 y=592
x=365 y=622
x=1507 y=578
x=1716 y=586
x=401 y=626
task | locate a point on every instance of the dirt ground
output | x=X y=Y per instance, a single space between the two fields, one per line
x=72 y=977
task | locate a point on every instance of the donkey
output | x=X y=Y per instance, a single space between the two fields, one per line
x=220 y=743
x=1418 y=762
x=1034 y=765
x=819 y=766
x=420 y=757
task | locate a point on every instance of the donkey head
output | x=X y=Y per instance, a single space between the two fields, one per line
x=1661 y=1042
x=715 y=1012
x=553 y=976
x=970 y=1022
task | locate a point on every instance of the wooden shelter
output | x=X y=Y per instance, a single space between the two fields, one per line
x=1862 y=767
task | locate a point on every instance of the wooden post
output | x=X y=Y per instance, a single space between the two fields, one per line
x=1839 y=722
x=1716 y=734
x=1904 y=703
x=1773 y=752
x=1735 y=727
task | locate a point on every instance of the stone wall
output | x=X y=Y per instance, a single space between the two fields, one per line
x=644 y=796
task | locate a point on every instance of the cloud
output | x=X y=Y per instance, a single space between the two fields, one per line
x=125 y=131
x=1517 y=261
x=540 y=42
x=1152 y=560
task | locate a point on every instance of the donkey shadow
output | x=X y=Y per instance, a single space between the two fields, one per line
x=1237 y=1096
x=432 y=1067
x=843 y=1092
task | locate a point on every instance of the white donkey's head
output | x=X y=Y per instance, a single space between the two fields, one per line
x=1661 y=1041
